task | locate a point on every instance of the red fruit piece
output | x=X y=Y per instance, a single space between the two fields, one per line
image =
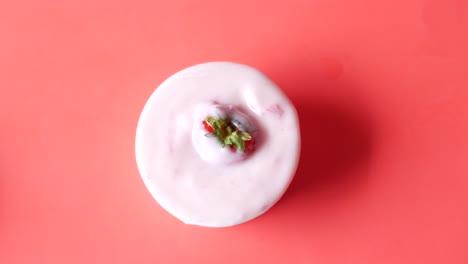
x=249 y=145
x=232 y=148
x=207 y=126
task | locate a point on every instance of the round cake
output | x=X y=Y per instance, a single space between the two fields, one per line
x=217 y=144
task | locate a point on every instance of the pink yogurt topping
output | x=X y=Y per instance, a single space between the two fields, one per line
x=189 y=173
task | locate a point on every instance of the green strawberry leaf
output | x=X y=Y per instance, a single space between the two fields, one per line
x=228 y=134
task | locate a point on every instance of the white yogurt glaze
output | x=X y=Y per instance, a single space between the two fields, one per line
x=219 y=192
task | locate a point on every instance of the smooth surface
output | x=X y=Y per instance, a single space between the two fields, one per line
x=208 y=192
x=74 y=76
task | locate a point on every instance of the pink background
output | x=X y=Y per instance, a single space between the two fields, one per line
x=382 y=92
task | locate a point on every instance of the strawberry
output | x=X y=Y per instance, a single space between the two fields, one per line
x=230 y=134
x=249 y=145
x=207 y=127
x=232 y=148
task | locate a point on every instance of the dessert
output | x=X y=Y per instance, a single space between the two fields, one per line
x=217 y=144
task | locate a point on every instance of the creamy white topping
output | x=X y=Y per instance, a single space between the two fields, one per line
x=189 y=174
